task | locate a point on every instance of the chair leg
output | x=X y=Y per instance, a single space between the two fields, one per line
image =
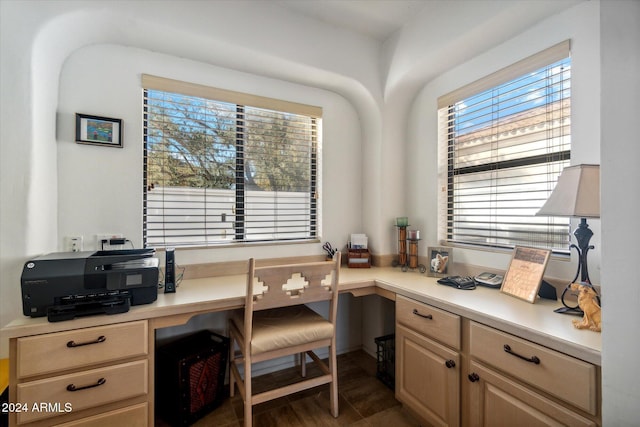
x=333 y=367
x=303 y=364
x=232 y=342
x=248 y=392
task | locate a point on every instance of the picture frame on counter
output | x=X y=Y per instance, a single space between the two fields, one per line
x=526 y=270
x=440 y=260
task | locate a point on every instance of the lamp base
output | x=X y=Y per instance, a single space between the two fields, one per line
x=568 y=310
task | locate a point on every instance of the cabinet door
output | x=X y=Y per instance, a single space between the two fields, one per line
x=497 y=401
x=427 y=378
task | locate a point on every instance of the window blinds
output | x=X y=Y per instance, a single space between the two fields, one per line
x=504 y=141
x=218 y=171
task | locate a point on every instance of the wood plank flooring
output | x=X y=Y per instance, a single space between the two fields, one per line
x=363 y=399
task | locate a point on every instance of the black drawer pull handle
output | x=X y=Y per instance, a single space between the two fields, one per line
x=426 y=316
x=72 y=344
x=473 y=377
x=450 y=364
x=532 y=359
x=72 y=387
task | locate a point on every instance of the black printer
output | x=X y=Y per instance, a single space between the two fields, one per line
x=65 y=285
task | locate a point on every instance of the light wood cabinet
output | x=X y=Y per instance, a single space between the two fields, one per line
x=497 y=401
x=428 y=371
x=88 y=376
x=516 y=382
x=131 y=416
x=56 y=352
x=452 y=371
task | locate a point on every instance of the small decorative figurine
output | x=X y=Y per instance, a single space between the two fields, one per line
x=588 y=303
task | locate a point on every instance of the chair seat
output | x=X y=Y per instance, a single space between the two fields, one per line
x=283 y=327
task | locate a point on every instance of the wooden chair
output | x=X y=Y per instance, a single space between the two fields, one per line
x=277 y=323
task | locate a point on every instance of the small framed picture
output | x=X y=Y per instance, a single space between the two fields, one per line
x=97 y=130
x=525 y=273
x=440 y=259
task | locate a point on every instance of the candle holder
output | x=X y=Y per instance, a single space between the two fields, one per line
x=402 y=246
x=410 y=261
x=413 y=255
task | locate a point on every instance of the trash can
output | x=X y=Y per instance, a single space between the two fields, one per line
x=386 y=360
x=189 y=377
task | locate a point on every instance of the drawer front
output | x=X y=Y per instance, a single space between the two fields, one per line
x=82 y=390
x=569 y=379
x=43 y=354
x=430 y=321
x=131 y=416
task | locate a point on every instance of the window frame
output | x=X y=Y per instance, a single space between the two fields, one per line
x=254 y=103
x=448 y=170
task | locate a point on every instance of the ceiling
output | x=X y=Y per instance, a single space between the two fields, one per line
x=377 y=19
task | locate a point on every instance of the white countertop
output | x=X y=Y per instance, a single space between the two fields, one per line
x=535 y=322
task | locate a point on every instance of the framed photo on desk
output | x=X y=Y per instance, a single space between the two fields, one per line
x=440 y=258
x=524 y=276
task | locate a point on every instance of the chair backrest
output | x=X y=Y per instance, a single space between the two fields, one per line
x=271 y=287
x=291 y=284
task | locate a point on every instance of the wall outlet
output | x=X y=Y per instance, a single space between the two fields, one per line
x=105 y=237
x=73 y=243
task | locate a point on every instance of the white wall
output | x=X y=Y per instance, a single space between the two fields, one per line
x=620 y=203
x=100 y=188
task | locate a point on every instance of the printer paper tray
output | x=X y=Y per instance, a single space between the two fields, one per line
x=111 y=305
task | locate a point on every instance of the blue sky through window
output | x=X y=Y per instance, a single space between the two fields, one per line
x=544 y=86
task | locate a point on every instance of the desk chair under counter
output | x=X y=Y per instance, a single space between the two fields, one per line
x=276 y=322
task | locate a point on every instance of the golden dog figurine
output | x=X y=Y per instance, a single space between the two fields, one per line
x=588 y=303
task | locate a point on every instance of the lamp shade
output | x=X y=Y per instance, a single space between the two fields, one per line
x=577 y=193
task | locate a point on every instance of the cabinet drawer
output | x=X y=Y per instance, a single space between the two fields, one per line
x=92 y=388
x=430 y=321
x=565 y=377
x=131 y=416
x=43 y=354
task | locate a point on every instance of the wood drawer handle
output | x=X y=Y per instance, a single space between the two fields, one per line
x=72 y=344
x=473 y=377
x=72 y=387
x=450 y=364
x=532 y=359
x=417 y=313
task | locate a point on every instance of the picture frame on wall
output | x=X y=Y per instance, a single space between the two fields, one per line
x=440 y=260
x=97 y=130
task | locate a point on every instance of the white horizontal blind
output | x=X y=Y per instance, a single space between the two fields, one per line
x=219 y=172
x=504 y=149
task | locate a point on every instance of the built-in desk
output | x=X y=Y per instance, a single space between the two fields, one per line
x=533 y=322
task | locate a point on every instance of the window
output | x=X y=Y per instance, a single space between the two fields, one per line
x=222 y=167
x=503 y=142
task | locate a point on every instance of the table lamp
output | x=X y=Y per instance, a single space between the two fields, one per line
x=577 y=194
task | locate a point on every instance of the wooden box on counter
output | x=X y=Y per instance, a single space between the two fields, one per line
x=358 y=258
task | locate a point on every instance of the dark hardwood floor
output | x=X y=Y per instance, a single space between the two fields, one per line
x=364 y=401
